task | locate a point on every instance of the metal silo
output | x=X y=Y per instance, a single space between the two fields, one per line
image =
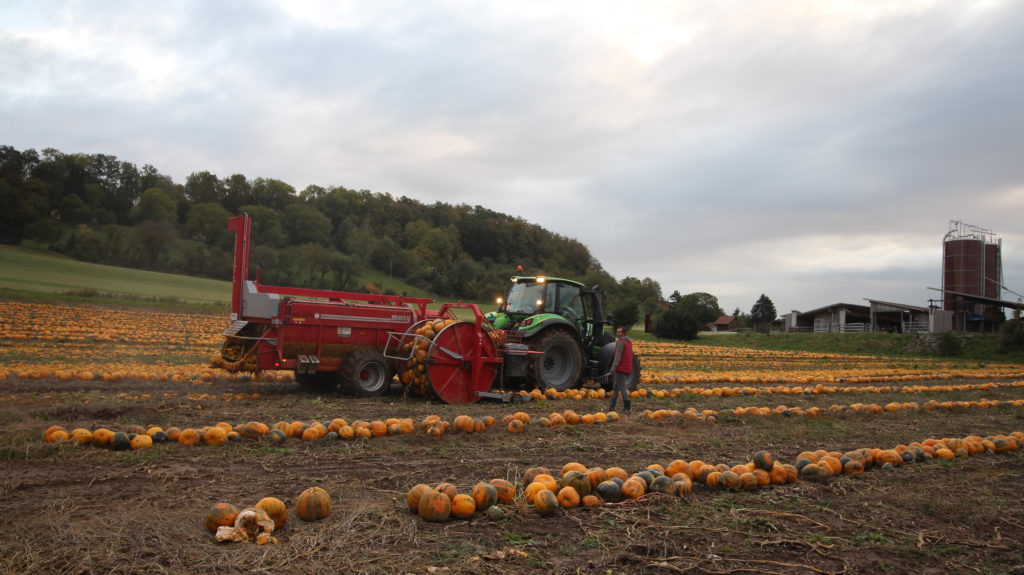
x=971 y=264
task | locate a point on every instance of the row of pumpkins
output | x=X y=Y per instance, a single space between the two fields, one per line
x=812 y=412
x=577 y=485
x=821 y=389
x=416 y=377
x=139 y=437
x=258 y=522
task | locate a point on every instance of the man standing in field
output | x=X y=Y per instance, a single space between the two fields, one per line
x=621 y=368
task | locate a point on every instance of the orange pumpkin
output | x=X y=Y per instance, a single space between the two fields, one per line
x=591 y=501
x=684 y=486
x=48 y=434
x=568 y=497
x=434 y=506
x=572 y=466
x=731 y=480
x=484 y=495
x=378 y=428
x=595 y=475
x=748 y=481
x=834 y=465
x=102 y=437
x=188 y=436
x=613 y=472
x=505 y=488
x=463 y=506
x=463 y=423
x=215 y=436
x=81 y=436
x=221 y=514
x=141 y=441
x=448 y=489
x=677 y=466
x=634 y=487
x=531 y=491
x=415 y=493
x=313 y=504
x=275 y=509
x=549 y=482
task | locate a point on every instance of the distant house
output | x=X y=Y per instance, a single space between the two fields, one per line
x=723 y=323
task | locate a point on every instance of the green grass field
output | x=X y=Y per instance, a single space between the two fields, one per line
x=39 y=275
x=35 y=274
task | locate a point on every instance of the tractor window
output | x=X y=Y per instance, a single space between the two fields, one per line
x=570 y=304
x=523 y=298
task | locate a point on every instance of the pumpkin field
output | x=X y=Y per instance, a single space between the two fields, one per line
x=124 y=451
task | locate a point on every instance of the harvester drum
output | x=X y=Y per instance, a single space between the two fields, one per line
x=455 y=361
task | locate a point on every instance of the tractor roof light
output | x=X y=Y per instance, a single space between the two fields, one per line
x=541 y=280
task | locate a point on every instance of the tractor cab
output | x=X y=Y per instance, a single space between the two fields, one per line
x=533 y=302
x=558 y=319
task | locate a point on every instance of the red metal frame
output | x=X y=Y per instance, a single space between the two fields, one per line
x=326 y=325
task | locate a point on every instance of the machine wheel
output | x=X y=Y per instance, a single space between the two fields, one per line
x=559 y=366
x=317 y=382
x=461 y=361
x=365 y=373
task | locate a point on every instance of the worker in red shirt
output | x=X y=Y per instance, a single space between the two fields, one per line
x=621 y=368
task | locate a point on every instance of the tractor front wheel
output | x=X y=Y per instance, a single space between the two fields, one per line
x=365 y=373
x=559 y=362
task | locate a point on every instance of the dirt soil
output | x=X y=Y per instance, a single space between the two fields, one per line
x=87 y=510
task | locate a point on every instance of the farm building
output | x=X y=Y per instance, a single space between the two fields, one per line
x=904 y=318
x=877 y=316
x=723 y=323
x=838 y=317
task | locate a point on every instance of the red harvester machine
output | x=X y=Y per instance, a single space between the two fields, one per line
x=360 y=341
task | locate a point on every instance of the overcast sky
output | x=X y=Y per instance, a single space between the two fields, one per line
x=812 y=151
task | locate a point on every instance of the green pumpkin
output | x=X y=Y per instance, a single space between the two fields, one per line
x=546 y=502
x=120 y=442
x=610 y=491
x=662 y=484
x=578 y=481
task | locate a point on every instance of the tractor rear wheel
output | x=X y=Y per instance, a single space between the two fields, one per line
x=317 y=382
x=365 y=373
x=559 y=366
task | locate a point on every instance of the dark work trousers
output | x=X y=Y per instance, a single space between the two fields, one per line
x=619 y=388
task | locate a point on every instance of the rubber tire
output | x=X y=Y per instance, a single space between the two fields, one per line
x=365 y=373
x=559 y=366
x=317 y=382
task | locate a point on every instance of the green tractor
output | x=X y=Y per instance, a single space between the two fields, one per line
x=562 y=327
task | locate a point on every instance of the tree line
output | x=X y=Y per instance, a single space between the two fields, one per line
x=97 y=208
